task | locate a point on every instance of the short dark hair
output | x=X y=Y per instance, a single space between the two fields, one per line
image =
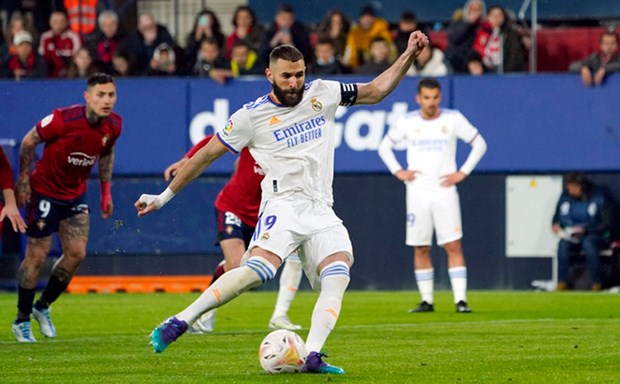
x=286 y=8
x=285 y=52
x=408 y=16
x=576 y=178
x=99 y=78
x=429 y=83
x=325 y=40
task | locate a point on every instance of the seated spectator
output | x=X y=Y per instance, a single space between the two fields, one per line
x=462 y=33
x=325 y=61
x=361 y=35
x=25 y=63
x=245 y=27
x=595 y=67
x=407 y=23
x=379 y=58
x=285 y=30
x=143 y=42
x=17 y=23
x=499 y=43
x=107 y=40
x=206 y=25
x=429 y=63
x=209 y=58
x=336 y=26
x=163 y=62
x=82 y=64
x=58 y=45
x=244 y=60
x=474 y=64
x=582 y=220
x=121 y=64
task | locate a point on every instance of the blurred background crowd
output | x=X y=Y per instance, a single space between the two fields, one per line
x=74 y=38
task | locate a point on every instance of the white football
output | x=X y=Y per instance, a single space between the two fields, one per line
x=282 y=351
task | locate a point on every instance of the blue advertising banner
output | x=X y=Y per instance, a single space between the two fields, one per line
x=531 y=123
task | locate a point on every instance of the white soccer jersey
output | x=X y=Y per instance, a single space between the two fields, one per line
x=431 y=143
x=293 y=145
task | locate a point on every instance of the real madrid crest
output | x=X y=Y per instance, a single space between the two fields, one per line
x=444 y=129
x=316 y=105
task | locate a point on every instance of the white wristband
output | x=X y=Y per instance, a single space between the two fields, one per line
x=165 y=197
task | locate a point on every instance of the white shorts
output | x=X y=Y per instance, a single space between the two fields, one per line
x=314 y=228
x=433 y=208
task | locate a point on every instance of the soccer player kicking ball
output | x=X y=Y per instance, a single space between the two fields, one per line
x=431 y=177
x=236 y=211
x=54 y=195
x=290 y=134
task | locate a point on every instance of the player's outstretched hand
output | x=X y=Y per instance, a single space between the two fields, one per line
x=147 y=204
x=174 y=168
x=417 y=42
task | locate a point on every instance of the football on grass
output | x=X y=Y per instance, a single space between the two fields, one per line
x=282 y=351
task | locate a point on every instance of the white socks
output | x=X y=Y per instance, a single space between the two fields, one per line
x=334 y=281
x=289 y=282
x=230 y=285
x=458 y=280
x=424 y=278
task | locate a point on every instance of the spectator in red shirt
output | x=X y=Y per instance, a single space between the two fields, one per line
x=9 y=210
x=25 y=62
x=498 y=43
x=58 y=45
x=54 y=195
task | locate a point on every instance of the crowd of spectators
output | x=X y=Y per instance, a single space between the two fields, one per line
x=480 y=40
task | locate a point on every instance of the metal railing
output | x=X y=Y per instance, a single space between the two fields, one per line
x=533 y=27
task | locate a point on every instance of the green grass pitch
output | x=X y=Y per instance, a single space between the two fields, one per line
x=511 y=337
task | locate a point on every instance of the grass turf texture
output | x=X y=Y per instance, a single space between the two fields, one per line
x=511 y=337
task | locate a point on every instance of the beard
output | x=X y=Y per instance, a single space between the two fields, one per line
x=288 y=97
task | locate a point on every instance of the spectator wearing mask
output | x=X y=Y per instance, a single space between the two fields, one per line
x=163 y=62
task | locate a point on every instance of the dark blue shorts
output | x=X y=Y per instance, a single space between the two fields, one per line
x=43 y=214
x=229 y=226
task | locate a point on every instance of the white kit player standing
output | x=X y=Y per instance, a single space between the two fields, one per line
x=431 y=176
x=290 y=134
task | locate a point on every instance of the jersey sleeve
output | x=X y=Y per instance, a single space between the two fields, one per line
x=464 y=129
x=385 y=150
x=345 y=93
x=6 y=176
x=51 y=126
x=238 y=132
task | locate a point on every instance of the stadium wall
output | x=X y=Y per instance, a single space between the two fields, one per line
x=544 y=124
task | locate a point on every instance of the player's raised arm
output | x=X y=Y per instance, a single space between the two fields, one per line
x=192 y=169
x=384 y=84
